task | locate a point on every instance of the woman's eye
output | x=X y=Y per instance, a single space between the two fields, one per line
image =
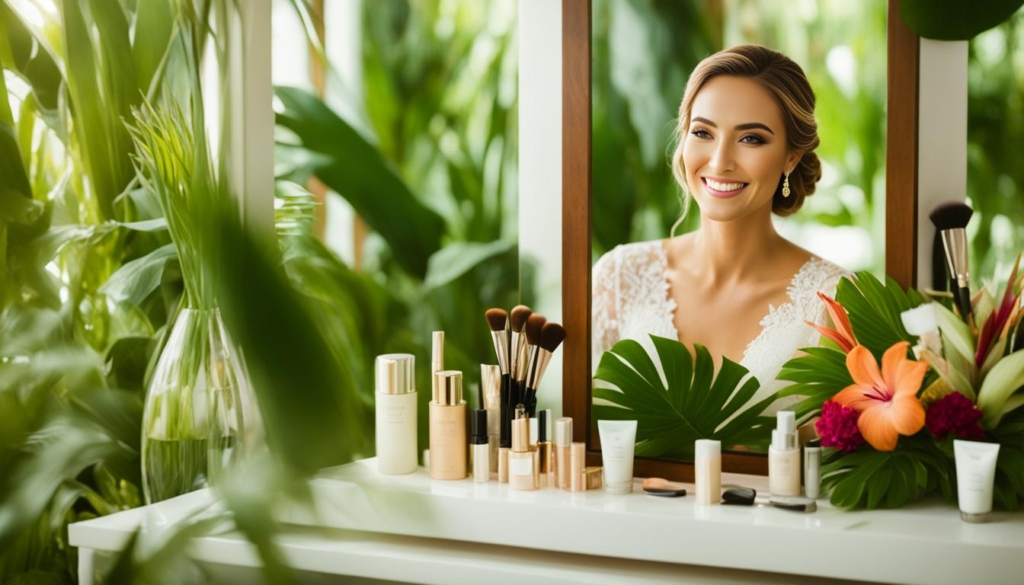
x=752 y=139
x=700 y=133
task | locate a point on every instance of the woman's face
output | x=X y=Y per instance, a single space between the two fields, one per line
x=735 y=150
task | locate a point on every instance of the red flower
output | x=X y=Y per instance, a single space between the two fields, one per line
x=954 y=413
x=837 y=427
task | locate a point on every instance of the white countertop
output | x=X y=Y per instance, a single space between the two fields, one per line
x=922 y=543
x=560 y=537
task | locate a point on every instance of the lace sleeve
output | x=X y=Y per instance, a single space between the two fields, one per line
x=605 y=309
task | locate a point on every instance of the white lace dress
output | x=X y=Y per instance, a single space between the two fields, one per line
x=630 y=301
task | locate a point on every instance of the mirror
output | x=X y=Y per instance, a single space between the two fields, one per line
x=579 y=211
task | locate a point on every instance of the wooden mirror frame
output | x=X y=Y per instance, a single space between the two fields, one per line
x=900 y=216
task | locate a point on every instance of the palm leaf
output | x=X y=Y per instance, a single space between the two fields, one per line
x=875 y=310
x=697 y=402
x=817 y=376
x=889 y=479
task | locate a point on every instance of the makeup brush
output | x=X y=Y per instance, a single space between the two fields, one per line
x=534 y=325
x=517 y=349
x=496 y=320
x=950 y=219
x=551 y=336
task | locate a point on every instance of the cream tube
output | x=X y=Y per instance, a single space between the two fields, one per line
x=975 y=475
x=618 y=439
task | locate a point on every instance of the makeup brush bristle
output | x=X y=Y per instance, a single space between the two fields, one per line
x=517 y=318
x=534 y=325
x=551 y=336
x=951 y=214
x=496 y=319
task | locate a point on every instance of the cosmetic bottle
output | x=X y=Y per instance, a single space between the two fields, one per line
x=481 y=450
x=578 y=467
x=448 y=427
x=545 y=450
x=812 y=469
x=395 y=407
x=563 y=441
x=490 y=382
x=521 y=459
x=784 y=457
x=708 y=471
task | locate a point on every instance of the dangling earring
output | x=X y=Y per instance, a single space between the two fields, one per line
x=785 y=186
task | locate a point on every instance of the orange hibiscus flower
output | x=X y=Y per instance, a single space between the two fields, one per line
x=887 y=400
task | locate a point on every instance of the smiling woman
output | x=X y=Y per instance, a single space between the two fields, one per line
x=746 y=138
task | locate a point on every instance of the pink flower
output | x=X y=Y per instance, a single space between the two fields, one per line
x=837 y=427
x=954 y=413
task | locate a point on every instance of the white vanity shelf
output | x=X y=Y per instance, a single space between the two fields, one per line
x=412 y=528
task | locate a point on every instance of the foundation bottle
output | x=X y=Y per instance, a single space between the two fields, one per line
x=395 y=413
x=521 y=459
x=708 y=471
x=784 y=457
x=563 y=441
x=447 y=427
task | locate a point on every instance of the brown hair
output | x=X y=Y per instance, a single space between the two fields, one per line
x=786 y=81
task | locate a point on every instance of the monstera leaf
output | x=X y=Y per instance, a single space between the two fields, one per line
x=693 y=401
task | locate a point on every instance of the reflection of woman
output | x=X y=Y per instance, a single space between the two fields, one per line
x=746 y=139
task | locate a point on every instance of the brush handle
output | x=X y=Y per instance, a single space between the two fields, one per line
x=940 y=273
x=962 y=295
x=505 y=436
x=530 y=402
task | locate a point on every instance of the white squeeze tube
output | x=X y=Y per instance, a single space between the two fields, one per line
x=618 y=439
x=975 y=475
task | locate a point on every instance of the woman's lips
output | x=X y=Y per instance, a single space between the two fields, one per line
x=722 y=189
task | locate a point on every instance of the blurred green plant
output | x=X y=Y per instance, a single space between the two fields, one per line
x=90 y=275
x=995 y=128
x=73 y=355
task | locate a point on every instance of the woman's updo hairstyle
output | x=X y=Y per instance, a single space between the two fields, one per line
x=786 y=81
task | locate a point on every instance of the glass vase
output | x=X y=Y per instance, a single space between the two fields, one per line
x=195 y=416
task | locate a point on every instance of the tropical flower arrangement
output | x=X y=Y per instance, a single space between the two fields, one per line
x=900 y=376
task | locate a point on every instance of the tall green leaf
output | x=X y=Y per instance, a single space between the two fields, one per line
x=357 y=171
x=697 y=402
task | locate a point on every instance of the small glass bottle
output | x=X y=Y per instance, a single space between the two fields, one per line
x=784 y=457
